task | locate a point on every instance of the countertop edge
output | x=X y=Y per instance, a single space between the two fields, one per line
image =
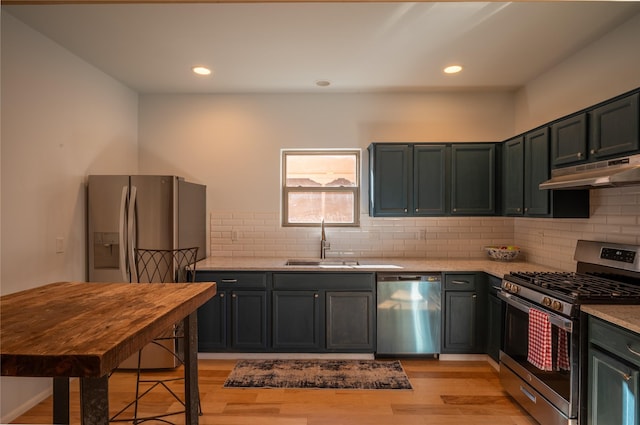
x=625 y=316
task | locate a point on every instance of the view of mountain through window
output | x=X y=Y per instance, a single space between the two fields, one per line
x=320 y=185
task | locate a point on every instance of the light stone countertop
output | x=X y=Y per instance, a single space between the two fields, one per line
x=626 y=316
x=394 y=265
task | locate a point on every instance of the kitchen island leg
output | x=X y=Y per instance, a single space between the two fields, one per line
x=192 y=397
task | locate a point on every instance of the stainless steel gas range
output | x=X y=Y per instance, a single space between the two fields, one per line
x=544 y=356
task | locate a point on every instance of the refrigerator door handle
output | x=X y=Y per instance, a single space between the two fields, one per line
x=122 y=234
x=131 y=224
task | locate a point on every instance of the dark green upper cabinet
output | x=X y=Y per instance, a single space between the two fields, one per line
x=429 y=179
x=418 y=179
x=536 y=171
x=606 y=130
x=569 y=140
x=389 y=179
x=615 y=128
x=473 y=179
x=513 y=172
x=526 y=165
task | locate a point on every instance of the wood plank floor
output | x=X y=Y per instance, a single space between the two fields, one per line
x=444 y=392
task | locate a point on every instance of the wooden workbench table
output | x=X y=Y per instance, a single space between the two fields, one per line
x=79 y=329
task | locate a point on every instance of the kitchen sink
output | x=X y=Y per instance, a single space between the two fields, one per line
x=320 y=263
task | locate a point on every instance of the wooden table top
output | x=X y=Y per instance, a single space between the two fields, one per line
x=87 y=329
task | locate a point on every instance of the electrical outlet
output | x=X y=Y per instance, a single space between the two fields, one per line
x=59 y=245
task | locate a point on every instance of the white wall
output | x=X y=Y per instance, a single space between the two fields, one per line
x=606 y=68
x=61 y=120
x=232 y=144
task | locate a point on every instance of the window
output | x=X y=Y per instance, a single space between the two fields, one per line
x=320 y=184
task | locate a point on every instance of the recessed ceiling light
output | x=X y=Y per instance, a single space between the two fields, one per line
x=201 y=70
x=323 y=83
x=453 y=69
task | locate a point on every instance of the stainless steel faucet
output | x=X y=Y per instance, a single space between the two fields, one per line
x=324 y=244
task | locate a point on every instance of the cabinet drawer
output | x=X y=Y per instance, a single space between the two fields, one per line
x=323 y=281
x=460 y=282
x=616 y=340
x=231 y=280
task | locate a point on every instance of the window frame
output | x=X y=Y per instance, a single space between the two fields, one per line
x=286 y=190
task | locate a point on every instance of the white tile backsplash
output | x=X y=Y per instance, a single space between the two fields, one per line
x=614 y=217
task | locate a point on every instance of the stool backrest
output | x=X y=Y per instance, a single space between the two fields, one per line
x=166 y=265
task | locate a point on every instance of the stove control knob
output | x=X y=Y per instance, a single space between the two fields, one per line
x=556 y=305
x=546 y=301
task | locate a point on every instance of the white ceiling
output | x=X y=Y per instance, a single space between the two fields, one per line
x=287 y=47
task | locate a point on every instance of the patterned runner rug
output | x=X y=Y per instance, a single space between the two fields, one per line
x=347 y=374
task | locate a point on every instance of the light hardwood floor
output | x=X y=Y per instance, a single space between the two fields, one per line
x=444 y=392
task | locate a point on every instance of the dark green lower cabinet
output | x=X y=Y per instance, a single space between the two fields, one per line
x=296 y=320
x=213 y=324
x=613 y=375
x=248 y=320
x=349 y=321
x=613 y=390
x=464 y=313
x=237 y=317
x=460 y=335
x=495 y=319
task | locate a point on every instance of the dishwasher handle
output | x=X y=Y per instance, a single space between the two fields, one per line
x=430 y=278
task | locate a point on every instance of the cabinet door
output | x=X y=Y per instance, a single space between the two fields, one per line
x=249 y=320
x=460 y=322
x=350 y=321
x=569 y=141
x=614 y=128
x=536 y=171
x=213 y=324
x=390 y=182
x=296 y=320
x=513 y=182
x=429 y=179
x=495 y=315
x=614 y=390
x=473 y=179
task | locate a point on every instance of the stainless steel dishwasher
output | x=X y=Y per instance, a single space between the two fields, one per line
x=408 y=314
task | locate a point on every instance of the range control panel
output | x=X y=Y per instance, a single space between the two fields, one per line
x=622 y=255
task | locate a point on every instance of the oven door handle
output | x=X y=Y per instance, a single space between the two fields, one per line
x=520 y=304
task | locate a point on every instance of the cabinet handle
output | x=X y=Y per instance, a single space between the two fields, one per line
x=229 y=280
x=593 y=151
x=474 y=296
x=417 y=210
x=455 y=209
x=315 y=295
x=406 y=210
x=234 y=296
x=460 y=282
x=222 y=295
x=579 y=154
x=632 y=350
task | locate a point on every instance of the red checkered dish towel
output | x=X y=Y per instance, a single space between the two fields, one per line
x=563 y=350
x=539 y=353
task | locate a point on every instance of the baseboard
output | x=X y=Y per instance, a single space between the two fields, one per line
x=26 y=406
x=465 y=357
x=285 y=356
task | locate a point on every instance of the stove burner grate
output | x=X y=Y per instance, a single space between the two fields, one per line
x=579 y=286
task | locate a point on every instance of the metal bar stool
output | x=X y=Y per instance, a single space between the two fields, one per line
x=161 y=266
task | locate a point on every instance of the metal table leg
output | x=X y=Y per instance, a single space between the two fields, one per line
x=61 y=400
x=191 y=369
x=94 y=400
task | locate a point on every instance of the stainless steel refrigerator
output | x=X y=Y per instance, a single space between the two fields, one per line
x=141 y=211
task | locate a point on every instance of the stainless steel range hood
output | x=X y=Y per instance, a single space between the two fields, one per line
x=614 y=172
